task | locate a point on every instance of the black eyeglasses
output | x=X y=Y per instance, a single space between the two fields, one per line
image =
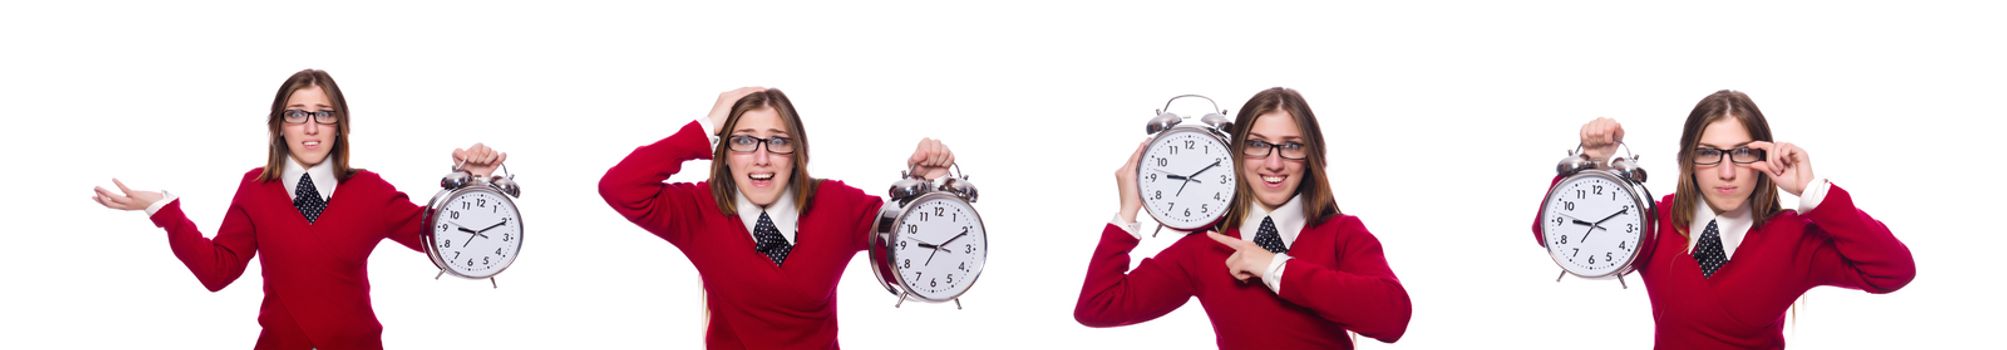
x=1739 y=155
x=300 y=116
x=748 y=143
x=1291 y=150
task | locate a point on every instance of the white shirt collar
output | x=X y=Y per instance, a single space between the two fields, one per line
x=782 y=212
x=323 y=175
x=1288 y=220
x=1732 y=225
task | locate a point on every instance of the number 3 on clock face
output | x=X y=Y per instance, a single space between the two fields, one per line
x=1186 y=179
x=1592 y=225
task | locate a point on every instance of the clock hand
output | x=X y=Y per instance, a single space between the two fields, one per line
x=924 y=245
x=1188 y=178
x=952 y=240
x=1178 y=177
x=1599 y=223
x=1203 y=170
x=491 y=227
x=930 y=257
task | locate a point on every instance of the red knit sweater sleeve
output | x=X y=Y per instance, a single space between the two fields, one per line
x=1360 y=292
x=220 y=260
x=1538 y=237
x=1115 y=296
x=403 y=221
x=1852 y=249
x=634 y=186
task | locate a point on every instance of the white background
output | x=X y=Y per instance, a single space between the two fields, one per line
x=1444 y=121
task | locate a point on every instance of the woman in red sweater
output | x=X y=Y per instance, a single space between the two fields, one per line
x=769 y=241
x=315 y=219
x=1290 y=272
x=1728 y=261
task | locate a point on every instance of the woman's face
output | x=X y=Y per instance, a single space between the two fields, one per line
x=1726 y=186
x=1274 y=178
x=309 y=142
x=760 y=174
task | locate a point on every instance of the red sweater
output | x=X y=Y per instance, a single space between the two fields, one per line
x=754 y=304
x=1835 y=244
x=1336 y=280
x=316 y=275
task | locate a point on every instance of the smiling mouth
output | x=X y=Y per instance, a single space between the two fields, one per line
x=761 y=179
x=1272 y=181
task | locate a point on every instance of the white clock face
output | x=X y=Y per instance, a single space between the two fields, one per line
x=939 y=247
x=1186 y=179
x=476 y=234
x=1592 y=225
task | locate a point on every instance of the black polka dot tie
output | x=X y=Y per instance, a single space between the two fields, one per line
x=771 y=243
x=308 y=200
x=1708 y=252
x=1268 y=239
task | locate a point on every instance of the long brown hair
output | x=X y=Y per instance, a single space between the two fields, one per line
x=1315 y=187
x=275 y=123
x=722 y=186
x=1720 y=105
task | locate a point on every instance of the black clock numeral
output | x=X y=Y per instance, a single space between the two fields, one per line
x=454 y=214
x=1628 y=228
x=1598 y=189
x=447 y=244
x=498 y=251
x=969 y=248
x=1216 y=196
x=934 y=282
x=1189 y=144
x=1569 y=206
x=1580 y=194
x=962 y=266
x=940 y=210
x=902 y=245
x=470 y=262
x=1578 y=252
x=907 y=264
x=923 y=216
x=912 y=228
x=506 y=237
x=1620 y=245
x=1557 y=221
x=1158 y=195
x=1564 y=239
x=1203 y=209
x=442 y=227
x=1152 y=177
x=481 y=202
x=1224 y=179
x=1188 y=212
x=466 y=205
x=951 y=279
x=1173 y=151
x=1165 y=161
x=1608 y=256
x=484 y=261
x=456 y=255
x=1592 y=259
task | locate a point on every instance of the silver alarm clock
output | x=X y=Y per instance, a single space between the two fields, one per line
x=1186 y=174
x=476 y=230
x=928 y=243
x=1595 y=219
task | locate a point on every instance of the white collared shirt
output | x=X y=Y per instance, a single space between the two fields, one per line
x=323 y=175
x=1289 y=222
x=782 y=212
x=1734 y=225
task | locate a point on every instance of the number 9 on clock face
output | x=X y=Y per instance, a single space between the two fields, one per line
x=1186 y=178
x=1592 y=225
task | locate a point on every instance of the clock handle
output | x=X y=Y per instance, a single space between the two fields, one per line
x=1209 y=100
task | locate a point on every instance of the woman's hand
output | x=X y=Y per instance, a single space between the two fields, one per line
x=722 y=110
x=1600 y=138
x=126 y=198
x=930 y=159
x=1249 y=260
x=1125 y=185
x=480 y=160
x=1785 y=164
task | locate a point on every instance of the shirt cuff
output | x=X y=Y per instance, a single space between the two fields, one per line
x=706 y=124
x=1131 y=227
x=1274 y=276
x=165 y=198
x=1815 y=193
